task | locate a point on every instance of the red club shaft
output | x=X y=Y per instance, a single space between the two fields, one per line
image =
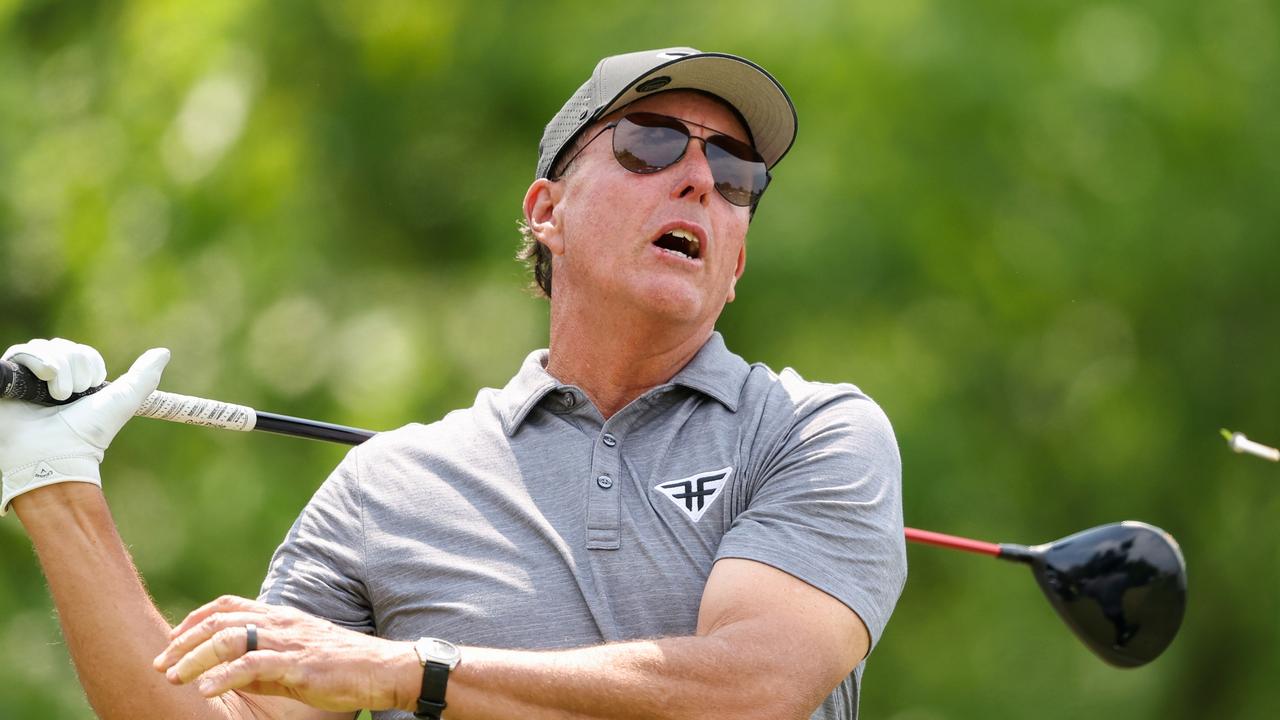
x=952 y=541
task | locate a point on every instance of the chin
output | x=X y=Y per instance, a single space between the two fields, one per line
x=677 y=304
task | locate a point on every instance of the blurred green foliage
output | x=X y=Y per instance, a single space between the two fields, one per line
x=1043 y=235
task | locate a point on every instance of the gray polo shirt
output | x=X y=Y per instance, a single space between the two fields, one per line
x=528 y=521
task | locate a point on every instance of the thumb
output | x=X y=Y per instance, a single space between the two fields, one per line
x=143 y=377
x=126 y=393
x=98 y=417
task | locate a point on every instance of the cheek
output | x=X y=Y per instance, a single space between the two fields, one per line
x=733 y=227
x=604 y=190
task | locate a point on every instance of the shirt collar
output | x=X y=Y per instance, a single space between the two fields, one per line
x=714 y=371
x=525 y=390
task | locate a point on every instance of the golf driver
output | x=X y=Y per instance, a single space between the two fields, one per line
x=1121 y=587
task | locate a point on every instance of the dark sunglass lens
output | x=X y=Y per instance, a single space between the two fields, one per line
x=646 y=143
x=737 y=148
x=740 y=174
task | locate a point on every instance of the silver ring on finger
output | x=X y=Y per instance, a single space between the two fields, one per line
x=250 y=637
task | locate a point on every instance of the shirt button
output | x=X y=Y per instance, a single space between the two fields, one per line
x=569 y=400
x=605 y=482
x=609 y=440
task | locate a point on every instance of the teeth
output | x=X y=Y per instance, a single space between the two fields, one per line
x=692 y=239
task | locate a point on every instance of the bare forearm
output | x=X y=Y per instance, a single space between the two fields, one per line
x=775 y=654
x=656 y=679
x=111 y=627
x=767 y=646
x=692 y=677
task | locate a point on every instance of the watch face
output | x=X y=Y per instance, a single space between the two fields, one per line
x=437 y=650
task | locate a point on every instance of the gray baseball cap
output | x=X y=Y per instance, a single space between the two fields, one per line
x=622 y=79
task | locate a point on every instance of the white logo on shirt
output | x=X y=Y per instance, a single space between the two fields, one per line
x=696 y=493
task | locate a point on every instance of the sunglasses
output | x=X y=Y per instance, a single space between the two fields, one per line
x=646 y=143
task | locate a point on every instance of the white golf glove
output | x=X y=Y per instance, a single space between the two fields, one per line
x=41 y=445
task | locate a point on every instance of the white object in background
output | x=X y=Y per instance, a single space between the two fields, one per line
x=1242 y=444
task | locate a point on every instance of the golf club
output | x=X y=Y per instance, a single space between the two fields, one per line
x=1121 y=588
x=19 y=383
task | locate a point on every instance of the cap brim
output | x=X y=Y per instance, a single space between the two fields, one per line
x=768 y=111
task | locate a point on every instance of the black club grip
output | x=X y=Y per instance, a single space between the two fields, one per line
x=19 y=383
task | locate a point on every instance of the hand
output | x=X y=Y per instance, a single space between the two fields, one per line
x=42 y=446
x=299 y=656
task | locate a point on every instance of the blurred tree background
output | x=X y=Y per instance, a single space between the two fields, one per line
x=1041 y=234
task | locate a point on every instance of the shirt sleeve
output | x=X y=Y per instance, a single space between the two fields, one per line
x=320 y=567
x=827 y=503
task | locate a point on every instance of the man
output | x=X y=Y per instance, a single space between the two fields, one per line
x=639 y=525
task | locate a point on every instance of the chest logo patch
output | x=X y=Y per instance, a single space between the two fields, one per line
x=696 y=493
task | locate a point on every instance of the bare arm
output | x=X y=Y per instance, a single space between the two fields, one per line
x=112 y=628
x=767 y=646
x=49 y=460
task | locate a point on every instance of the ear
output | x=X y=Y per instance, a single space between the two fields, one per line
x=540 y=205
x=737 y=272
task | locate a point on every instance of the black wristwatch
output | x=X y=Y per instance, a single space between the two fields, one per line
x=438 y=657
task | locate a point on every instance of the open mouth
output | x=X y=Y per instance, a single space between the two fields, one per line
x=680 y=242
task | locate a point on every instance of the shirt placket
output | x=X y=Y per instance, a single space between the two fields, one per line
x=604 y=486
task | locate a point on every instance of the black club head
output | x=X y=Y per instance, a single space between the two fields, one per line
x=1122 y=588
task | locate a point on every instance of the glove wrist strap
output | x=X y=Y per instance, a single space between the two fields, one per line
x=48 y=472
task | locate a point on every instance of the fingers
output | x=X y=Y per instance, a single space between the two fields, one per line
x=47 y=360
x=70 y=367
x=29 y=355
x=66 y=366
x=261 y=670
x=223 y=646
x=210 y=647
x=87 y=368
x=201 y=634
x=224 y=604
x=61 y=383
x=297 y=655
x=221 y=664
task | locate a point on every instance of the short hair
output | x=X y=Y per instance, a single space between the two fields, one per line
x=534 y=255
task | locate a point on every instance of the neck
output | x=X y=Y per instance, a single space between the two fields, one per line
x=617 y=362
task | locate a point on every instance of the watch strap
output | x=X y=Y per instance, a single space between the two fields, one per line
x=435 y=679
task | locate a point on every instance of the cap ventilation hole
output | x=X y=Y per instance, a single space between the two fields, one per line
x=653 y=84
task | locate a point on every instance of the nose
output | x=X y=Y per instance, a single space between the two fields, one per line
x=695 y=180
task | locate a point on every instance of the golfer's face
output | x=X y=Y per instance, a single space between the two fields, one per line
x=617 y=222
